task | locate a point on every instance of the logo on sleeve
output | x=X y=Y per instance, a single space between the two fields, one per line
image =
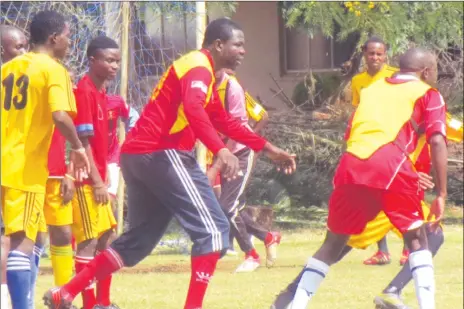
x=201 y=85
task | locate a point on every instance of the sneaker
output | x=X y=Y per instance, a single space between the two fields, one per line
x=389 y=301
x=283 y=300
x=57 y=299
x=404 y=257
x=250 y=264
x=379 y=258
x=271 y=242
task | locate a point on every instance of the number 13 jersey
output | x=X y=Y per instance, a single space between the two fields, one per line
x=33 y=87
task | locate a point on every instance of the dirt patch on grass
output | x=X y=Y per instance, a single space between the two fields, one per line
x=223 y=266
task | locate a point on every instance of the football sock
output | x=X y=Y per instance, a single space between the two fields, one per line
x=4 y=296
x=252 y=253
x=203 y=268
x=103 y=290
x=421 y=265
x=18 y=274
x=398 y=283
x=314 y=272
x=88 y=293
x=99 y=268
x=62 y=263
x=382 y=245
x=35 y=261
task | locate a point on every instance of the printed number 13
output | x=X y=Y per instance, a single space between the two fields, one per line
x=20 y=99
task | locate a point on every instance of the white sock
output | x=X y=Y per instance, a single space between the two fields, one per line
x=421 y=265
x=5 y=297
x=315 y=272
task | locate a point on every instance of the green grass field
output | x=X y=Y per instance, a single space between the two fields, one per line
x=161 y=281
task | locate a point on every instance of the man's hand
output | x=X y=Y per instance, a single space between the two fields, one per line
x=436 y=212
x=425 y=181
x=67 y=190
x=79 y=164
x=100 y=193
x=228 y=163
x=285 y=161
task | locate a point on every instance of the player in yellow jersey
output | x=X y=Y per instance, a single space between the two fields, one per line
x=13 y=43
x=375 y=57
x=36 y=95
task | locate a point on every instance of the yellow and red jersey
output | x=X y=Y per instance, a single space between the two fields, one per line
x=34 y=86
x=92 y=121
x=185 y=106
x=382 y=140
x=364 y=79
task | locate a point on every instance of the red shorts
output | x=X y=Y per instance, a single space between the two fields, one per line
x=351 y=207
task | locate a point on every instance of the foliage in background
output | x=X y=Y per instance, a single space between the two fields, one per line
x=318 y=143
x=432 y=24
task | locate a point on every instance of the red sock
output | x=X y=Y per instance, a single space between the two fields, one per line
x=203 y=268
x=252 y=253
x=103 y=291
x=88 y=294
x=101 y=267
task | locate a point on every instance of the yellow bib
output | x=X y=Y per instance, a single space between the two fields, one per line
x=383 y=110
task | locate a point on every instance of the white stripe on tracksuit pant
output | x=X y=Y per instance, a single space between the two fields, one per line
x=162 y=185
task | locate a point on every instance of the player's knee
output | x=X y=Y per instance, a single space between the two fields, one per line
x=86 y=247
x=60 y=235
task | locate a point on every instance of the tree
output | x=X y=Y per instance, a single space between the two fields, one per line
x=431 y=24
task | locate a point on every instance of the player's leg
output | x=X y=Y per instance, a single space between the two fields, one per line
x=382 y=256
x=231 y=201
x=21 y=214
x=85 y=230
x=405 y=213
x=59 y=218
x=404 y=254
x=351 y=207
x=147 y=222
x=390 y=297
x=186 y=191
x=5 y=248
x=107 y=224
x=39 y=248
x=271 y=239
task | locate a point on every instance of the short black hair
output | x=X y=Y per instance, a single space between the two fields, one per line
x=100 y=42
x=374 y=39
x=44 y=24
x=221 y=29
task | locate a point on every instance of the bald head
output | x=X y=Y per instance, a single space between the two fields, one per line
x=416 y=59
x=422 y=63
x=13 y=42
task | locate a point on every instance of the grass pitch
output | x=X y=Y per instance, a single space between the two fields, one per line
x=161 y=281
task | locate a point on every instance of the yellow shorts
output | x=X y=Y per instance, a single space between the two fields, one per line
x=22 y=211
x=377 y=229
x=90 y=220
x=42 y=224
x=55 y=212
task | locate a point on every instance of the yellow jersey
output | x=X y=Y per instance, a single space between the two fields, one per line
x=364 y=79
x=34 y=86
